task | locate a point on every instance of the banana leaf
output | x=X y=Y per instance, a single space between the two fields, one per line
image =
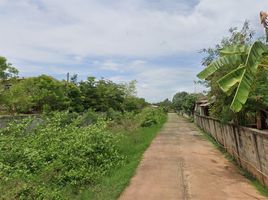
x=230 y=60
x=236 y=49
x=247 y=59
x=247 y=76
x=229 y=80
x=242 y=91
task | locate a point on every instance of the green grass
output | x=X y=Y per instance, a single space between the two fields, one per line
x=257 y=184
x=132 y=145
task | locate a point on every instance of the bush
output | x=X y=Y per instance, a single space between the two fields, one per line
x=57 y=157
x=114 y=115
x=151 y=116
x=63 y=153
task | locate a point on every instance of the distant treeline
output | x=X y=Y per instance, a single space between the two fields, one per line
x=45 y=93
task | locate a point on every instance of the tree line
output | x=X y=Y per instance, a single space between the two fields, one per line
x=45 y=93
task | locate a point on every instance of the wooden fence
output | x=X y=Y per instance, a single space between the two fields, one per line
x=248 y=146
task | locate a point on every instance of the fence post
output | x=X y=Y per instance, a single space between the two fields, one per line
x=257 y=156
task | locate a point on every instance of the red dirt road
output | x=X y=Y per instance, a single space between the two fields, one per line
x=180 y=164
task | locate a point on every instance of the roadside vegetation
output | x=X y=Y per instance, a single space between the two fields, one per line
x=84 y=143
x=132 y=145
x=71 y=156
x=236 y=78
x=236 y=75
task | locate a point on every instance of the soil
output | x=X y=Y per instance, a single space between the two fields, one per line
x=181 y=164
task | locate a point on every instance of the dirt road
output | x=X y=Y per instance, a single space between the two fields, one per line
x=179 y=164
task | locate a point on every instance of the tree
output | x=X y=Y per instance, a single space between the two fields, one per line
x=6 y=69
x=130 y=89
x=17 y=99
x=246 y=60
x=49 y=92
x=184 y=102
x=134 y=104
x=188 y=104
x=166 y=105
x=35 y=95
x=221 y=107
x=74 y=95
x=178 y=100
x=102 y=94
x=131 y=101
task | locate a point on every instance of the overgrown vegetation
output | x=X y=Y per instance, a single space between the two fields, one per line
x=236 y=75
x=63 y=154
x=89 y=137
x=132 y=145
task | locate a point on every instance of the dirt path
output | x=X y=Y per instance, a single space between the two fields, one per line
x=179 y=164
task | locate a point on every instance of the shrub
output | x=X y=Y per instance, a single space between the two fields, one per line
x=57 y=157
x=150 y=116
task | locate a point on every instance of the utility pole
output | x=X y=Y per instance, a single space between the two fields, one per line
x=68 y=77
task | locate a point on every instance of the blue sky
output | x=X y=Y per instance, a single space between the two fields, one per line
x=155 y=42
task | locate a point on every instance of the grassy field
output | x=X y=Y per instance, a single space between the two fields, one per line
x=132 y=146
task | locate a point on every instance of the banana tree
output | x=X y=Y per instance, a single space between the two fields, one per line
x=245 y=61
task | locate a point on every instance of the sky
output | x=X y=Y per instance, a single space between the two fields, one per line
x=155 y=42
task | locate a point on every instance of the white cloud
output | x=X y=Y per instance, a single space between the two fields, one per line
x=86 y=28
x=156 y=83
x=110 y=65
x=66 y=32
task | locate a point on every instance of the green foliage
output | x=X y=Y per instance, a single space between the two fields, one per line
x=230 y=83
x=189 y=104
x=132 y=146
x=184 y=102
x=225 y=61
x=45 y=94
x=74 y=96
x=17 y=99
x=111 y=114
x=130 y=89
x=166 y=105
x=101 y=94
x=55 y=159
x=130 y=121
x=178 y=100
x=246 y=61
x=35 y=94
x=134 y=104
x=150 y=116
x=63 y=153
x=6 y=69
